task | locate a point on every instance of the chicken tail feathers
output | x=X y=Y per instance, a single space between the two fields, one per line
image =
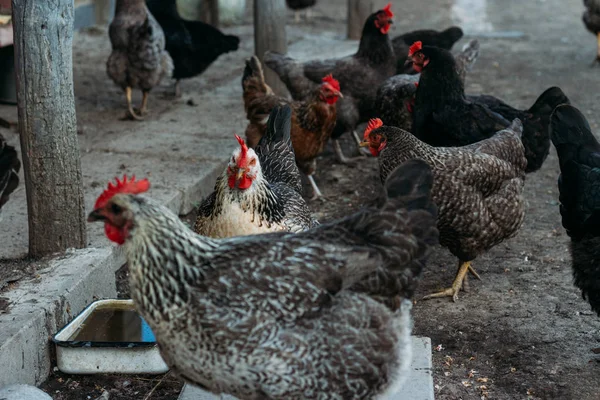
x=231 y=43
x=275 y=150
x=253 y=75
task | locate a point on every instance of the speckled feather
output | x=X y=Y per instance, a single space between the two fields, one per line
x=579 y=187
x=373 y=63
x=478 y=188
x=273 y=316
x=313 y=119
x=9 y=170
x=138 y=58
x=396 y=92
x=274 y=201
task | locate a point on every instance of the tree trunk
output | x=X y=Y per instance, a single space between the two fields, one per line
x=209 y=12
x=269 y=34
x=43 y=33
x=358 y=12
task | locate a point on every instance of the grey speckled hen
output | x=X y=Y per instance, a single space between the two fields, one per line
x=138 y=59
x=260 y=190
x=281 y=315
x=478 y=188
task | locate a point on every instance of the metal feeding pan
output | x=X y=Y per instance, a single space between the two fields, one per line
x=109 y=336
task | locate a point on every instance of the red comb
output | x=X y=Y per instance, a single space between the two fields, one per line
x=332 y=81
x=374 y=123
x=415 y=47
x=132 y=186
x=388 y=10
x=244 y=154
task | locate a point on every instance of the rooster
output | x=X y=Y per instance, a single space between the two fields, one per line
x=260 y=190
x=579 y=184
x=444 y=116
x=478 y=188
x=280 y=315
x=312 y=120
x=359 y=75
x=138 y=59
x=444 y=40
x=193 y=45
x=9 y=171
x=396 y=96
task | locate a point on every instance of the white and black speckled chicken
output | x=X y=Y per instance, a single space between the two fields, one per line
x=280 y=315
x=9 y=171
x=579 y=185
x=138 y=59
x=478 y=188
x=260 y=190
x=396 y=96
x=359 y=75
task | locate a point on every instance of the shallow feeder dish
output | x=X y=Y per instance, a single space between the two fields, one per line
x=109 y=336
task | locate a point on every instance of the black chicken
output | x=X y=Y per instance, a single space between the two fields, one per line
x=444 y=40
x=193 y=45
x=444 y=116
x=579 y=186
x=9 y=171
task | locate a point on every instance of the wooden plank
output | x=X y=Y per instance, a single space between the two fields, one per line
x=43 y=32
x=269 y=34
x=358 y=12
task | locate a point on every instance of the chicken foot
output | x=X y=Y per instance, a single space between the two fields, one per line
x=130 y=111
x=461 y=275
x=316 y=192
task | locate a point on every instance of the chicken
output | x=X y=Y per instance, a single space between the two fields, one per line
x=312 y=120
x=478 y=188
x=396 y=96
x=591 y=20
x=579 y=157
x=277 y=316
x=260 y=190
x=138 y=59
x=444 y=116
x=298 y=5
x=9 y=171
x=444 y=40
x=359 y=75
x=193 y=45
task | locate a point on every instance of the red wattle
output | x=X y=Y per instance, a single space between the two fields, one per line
x=113 y=234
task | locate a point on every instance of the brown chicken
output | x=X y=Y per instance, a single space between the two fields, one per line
x=138 y=59
x=359 y=75
x=312 y=119
x=478 y=188
x=278 y=316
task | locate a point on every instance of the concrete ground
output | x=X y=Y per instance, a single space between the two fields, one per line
x=523 y=332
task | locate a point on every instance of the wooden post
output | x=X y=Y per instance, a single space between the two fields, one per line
x=269 y=34
x=103 y=9
x=209 y=12
x=358 y=12
x=43 y=32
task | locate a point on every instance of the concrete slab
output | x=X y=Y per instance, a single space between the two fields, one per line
x=22 y=392
x=182 y=148
x=419 y=385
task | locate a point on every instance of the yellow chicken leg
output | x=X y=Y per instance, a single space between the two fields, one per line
x=144 y=108
x=464 y=268
x=131 y=113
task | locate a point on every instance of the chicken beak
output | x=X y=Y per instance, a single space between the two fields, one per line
x=338 y=94
x=240 y=174
x=364 y=144
x=96 y=215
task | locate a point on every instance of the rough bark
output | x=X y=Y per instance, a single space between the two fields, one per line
x=358 y=12
x=43 y=31
x=269 y=34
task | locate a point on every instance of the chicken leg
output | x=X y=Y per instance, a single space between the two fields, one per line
x=316 y=192
x=340 y=154
x=130 y=112
x=361 y=150
x=597 y=59
x=463 y=268
x=144 y=108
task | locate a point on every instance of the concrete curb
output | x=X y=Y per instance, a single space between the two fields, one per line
x=418 y=386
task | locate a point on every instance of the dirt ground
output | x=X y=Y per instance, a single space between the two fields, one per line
x=523 y=331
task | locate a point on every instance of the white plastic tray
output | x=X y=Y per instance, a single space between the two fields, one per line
x=78 y=357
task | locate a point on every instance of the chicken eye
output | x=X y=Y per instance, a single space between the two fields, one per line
x=116 y=209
